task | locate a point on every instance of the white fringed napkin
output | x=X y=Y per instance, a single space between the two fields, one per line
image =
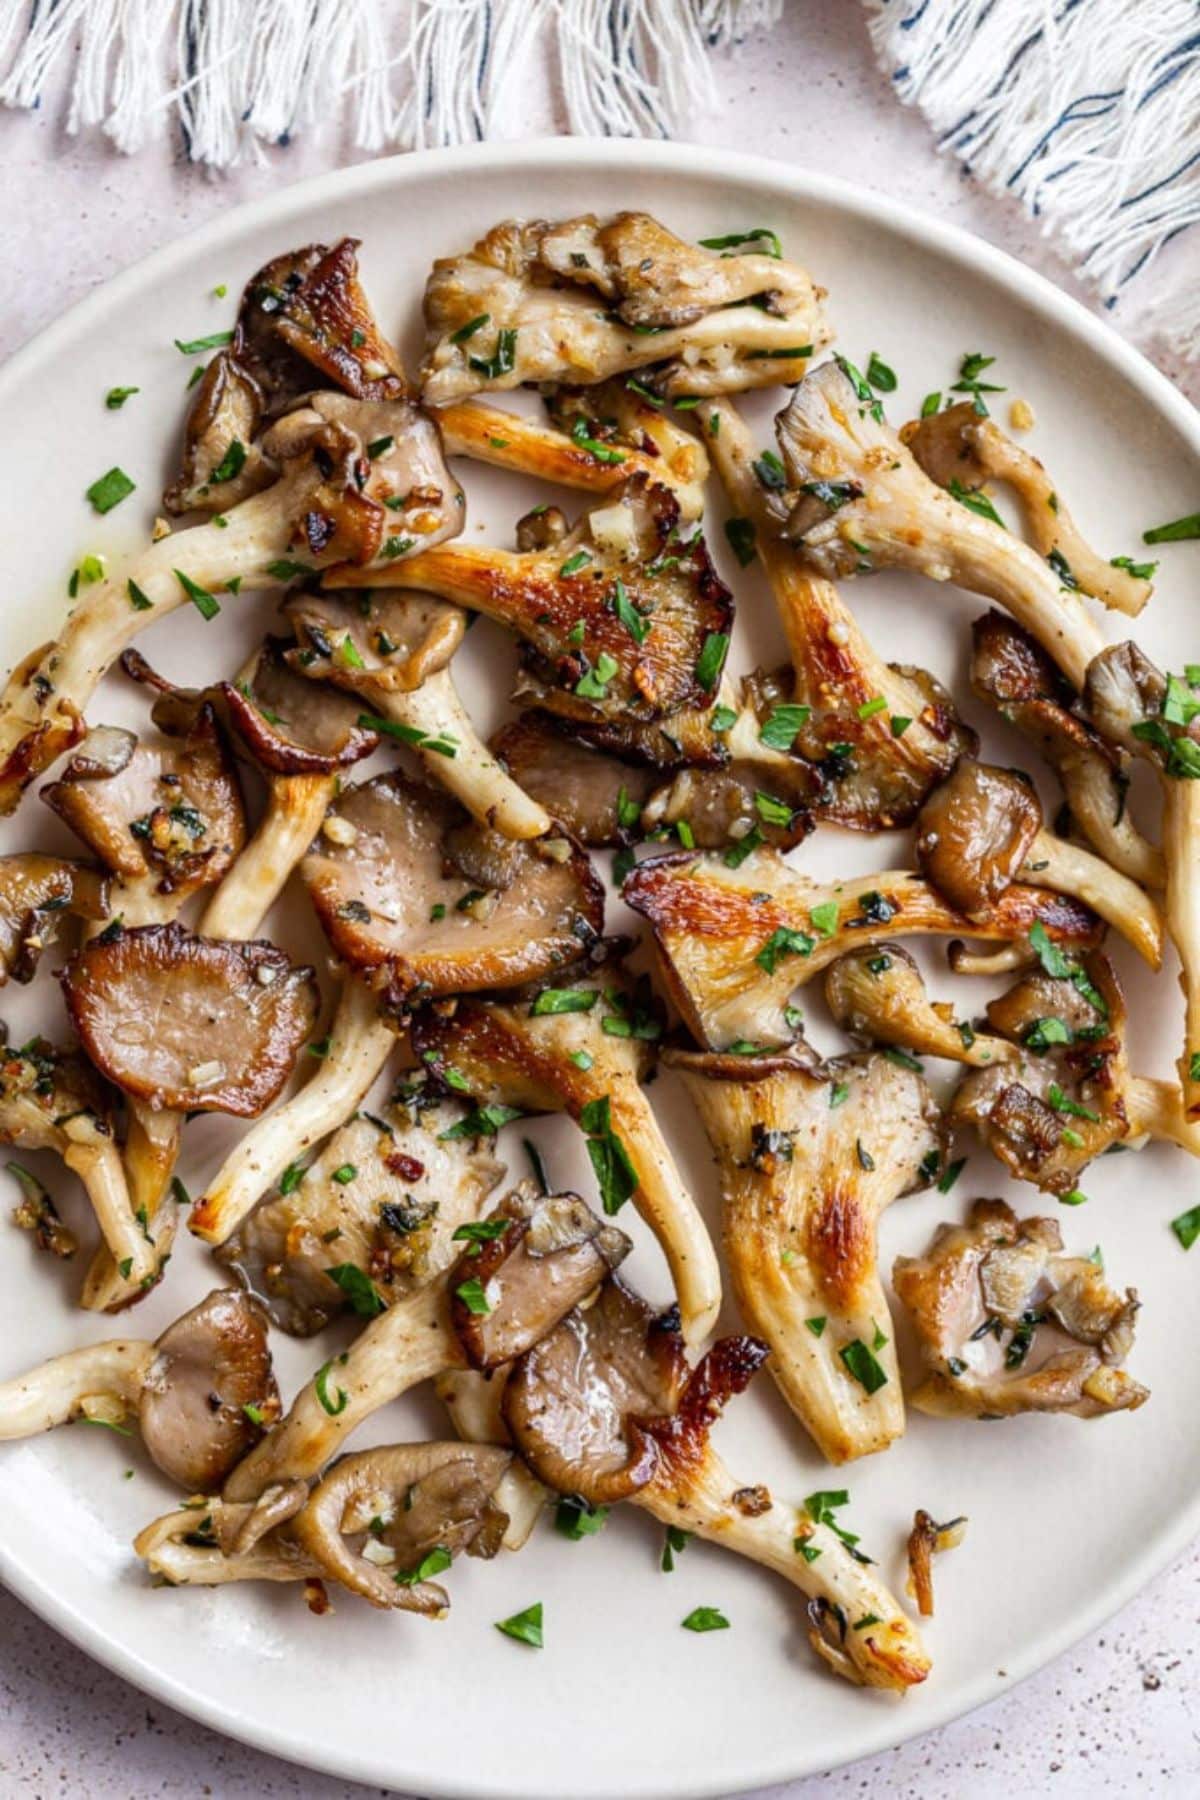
x=238 y=74
x=1089 y=112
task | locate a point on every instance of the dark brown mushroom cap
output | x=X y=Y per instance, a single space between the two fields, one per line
x=172 y=812
x=592 y=794
x=36 y=893
x=553 y=1254
x=974 y=834
x=683 y=739
x=189 y=1023
x=392 y=901
x=574 y=1402
x=374 y=638
x=293 y=726
x=1022 y=1109
x=303 y=323
x=211 y=1365
x=413 y=1498
x=1123 y=688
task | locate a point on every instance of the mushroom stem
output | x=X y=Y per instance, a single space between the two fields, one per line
x=295 y=808
x=35 y=725
x=152 y=1141
x=664 y=1202
x=409 y=1343
x=1155 y=1109
x=1056 y=863
x=886 y=1654
x=1181 y=849
x=472 y=774
x=164 y=1548
x=63 y=1388
x=97 y=1162
x=489 y=434
x=473 y=1401
x=359 y=1045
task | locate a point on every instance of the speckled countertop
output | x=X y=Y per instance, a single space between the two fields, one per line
x=1120 y=1714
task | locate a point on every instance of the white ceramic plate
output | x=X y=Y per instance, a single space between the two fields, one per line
x=1067 y=1520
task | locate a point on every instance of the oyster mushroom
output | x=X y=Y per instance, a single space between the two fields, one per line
x=317 y=506
x=620 y=618
x=390 y=650
x=1008 y=1324
x=1142 y=711
x=982 y=830
x=201 y=1394
x=358 y=1046
x=863 y=503
x=303 y=324
x=165 y=817
x=386 y=1196
x=606 y=1408
x=583 y=299
x=584 y=1049
x=876 y=736
x=876 y=993
x=53 y=1100
x=375 y=1524
x=474 y=1402
x=36 y=893
x=596 y=797
x=1011 y=673
x=424 y=902
x=961 y=450
x=1069 y=1094
x=300 y=736
x=600 y=436
x=808 y=1156
x=512 y=1285
x=735 y=941
x=190 y=1024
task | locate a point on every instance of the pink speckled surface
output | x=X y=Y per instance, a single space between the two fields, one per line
x=1117 y=1716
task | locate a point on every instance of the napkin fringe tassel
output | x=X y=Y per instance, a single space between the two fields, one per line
x=237 y=75
x=1088 y=111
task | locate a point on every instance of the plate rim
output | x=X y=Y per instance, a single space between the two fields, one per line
x=884 y=1728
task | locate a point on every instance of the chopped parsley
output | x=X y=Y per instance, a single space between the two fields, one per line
x=975 y=501
x=195 y=346
x=110 y=489
x=952 y=1172
x=742 y=540
x=206 y=604
x=577 y=1518
x=1175 y=532
x=779 y=729
x=525 y=1627
x=712 y=659
x=762 y=236
x=117 y=396
x=473 y=1295
x=705 y=1618
x=614 y=1171
x=784 y=941
x=364 y=1297
x=340 y=1398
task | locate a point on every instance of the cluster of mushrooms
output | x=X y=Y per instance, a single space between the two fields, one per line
x=466 y=927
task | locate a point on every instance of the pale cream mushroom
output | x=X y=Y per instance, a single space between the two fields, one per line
x=876 y=993
x=584 y=298
x=863 y=502
x=736 y=938
x=606 y=1408
x=961 y=449
x=808 y=1155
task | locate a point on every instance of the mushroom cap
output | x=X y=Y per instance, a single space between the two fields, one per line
x=290 y=725
x=392 y=901
x=411 y=1498
x=189 y=1023
x=374 y=638
x=170 y=812
x=388 y=1189
x=575 y=1402
x=974 y=834
x=554 y=1253
x=1123 y=688
x=1007 y=1324
x=35 y=892
x=590 y=793
x=303 y=323
x=210 y=1365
